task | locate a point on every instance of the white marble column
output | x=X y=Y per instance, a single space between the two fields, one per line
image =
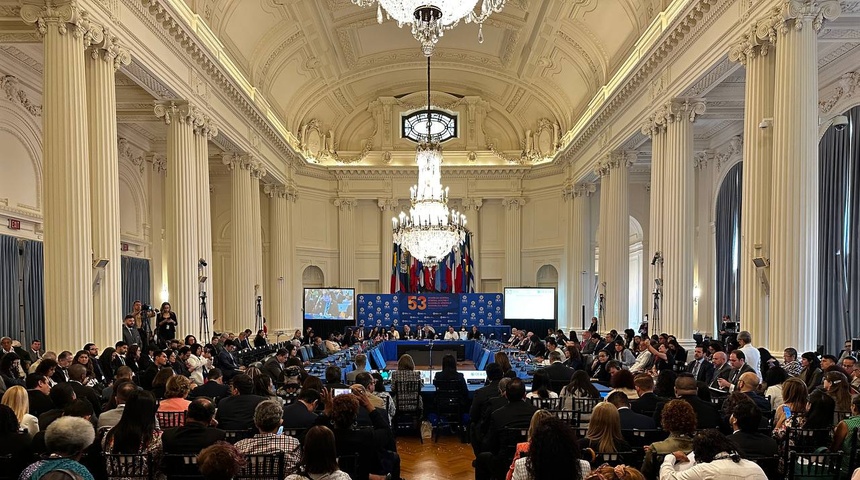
x=472 y=209
x=760 y=62
x=346 y=240
x=66 y=31
x=513 y=240
x=387 y=209
x=704 y=310
x=240 y=298
x=794 y=179
x=103 y=59
x=618 y=240
x=655 y=127
x=202 y=134
x=679 y=223
x=580 y=263
x=181 y=229
x=257 y=173
x=605 y=260
x=280 y=201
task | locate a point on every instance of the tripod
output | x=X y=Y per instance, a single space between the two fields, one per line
x=601 y=311
x=205 y=335
x=258 y=316
x=654 y=325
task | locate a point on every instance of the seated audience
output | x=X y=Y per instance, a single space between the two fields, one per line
x=630 y=420
x=837 y=385
x=745 y=421
x=679 y=419
x=38 y=393
x=541 y=386
x=61 y=395
x=707 y=415
x=300 y=414
x=268 y=416
x=319 y=457
x=159 y=383
x=67 y=438
x=135 y=432
x=493 y=459
x=623 y=381
x=810 y=372
x=214 y=388
x=453 y=381
x=845 y=431
x=77 y=378
x=715 y=457
x=236 y=412
x=620 y=472
x=175 y=395
x=378 y=391
x=220 y=461
x=197 y=433
x=406 y=385
x=647 y=402
x=553 y=454
x=111 y=417
x=333 y=378
x=774 y=379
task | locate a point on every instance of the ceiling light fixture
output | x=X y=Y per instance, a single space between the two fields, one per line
x=429 y=21
x=430 y=231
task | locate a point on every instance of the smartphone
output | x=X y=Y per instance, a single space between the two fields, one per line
x=787 y=411
x=280 y=430
x=341 y=391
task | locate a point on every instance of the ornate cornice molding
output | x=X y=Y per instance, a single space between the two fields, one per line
x=10 y=85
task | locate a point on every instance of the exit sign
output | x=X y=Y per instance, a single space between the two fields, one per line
x=14 y=224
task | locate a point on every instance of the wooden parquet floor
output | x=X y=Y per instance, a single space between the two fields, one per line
x=449 y=459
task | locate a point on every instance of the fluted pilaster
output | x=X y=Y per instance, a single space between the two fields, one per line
x=103 y=59
x=181 y=229
x=617 y=274
x=679 y=220
x=257 y=172
x=604 y=257
x=387 y=209
x=66 y=31
x=513 y=240
x=346 y=240
x=580 y=263
x=655 y=127
x=760 y=64
x=202 y=134
x=280 y=205
x=240 y=299
x=794 y=212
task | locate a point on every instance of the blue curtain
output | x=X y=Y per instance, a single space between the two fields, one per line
x=135 y=282
x=34 y=292
x=728 y=227
x=10 y=288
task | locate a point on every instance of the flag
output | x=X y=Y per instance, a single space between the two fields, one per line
x=437 y=277
x=395 y=270
x=403 y=266
x=468 y=267
x=413 y=275
x=457 y=274
x=419 y=270
x=443 y=276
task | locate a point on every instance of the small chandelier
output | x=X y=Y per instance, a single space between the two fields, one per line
x=430 y=231
x=429 y=21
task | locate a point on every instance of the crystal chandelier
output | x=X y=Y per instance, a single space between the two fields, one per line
x=430 y=231
x=429 y=21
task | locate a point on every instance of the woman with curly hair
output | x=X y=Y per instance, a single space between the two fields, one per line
x=83 y=358
x=679 y=419
x=553 y=454
x=175 y=395
x=716 y=456
x=620 y=472
x=220 y=461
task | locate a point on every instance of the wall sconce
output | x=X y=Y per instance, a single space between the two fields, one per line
x=696 y=293
x=165 y=295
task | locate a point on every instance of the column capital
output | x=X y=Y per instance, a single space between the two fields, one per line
x=66 y=15
x=345 y=204
x=273 y=191
x=234 y=160
x=621 y=158
x=513 y=203
x=388 y=204
x=472 y=203
x=601 y=169
x=179 y=111
x=258 y=170
x=158 y=162
x=655 y=123
x=751 y=45
x=701 y=159
x=110 y=50
x=796 y=14
x=206 y=127
x=684 y=109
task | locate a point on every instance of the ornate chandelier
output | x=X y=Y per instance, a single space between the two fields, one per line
x=430 y=231
x=429 y=21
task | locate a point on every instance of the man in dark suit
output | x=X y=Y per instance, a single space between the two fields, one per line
x=318 y=349
x=214 y=388
x=196 y=434
x=274 y=366
x=481 y=400
x=707 y=415
x=147 y=376
x=492 y=462
x=236 y=412
x=301 y=413
x=62 y=395
x=630 y=420
x=61 y=373
x=38 y=392
x=748 y=384
x=700 y=367
x=737 y=359
x=559 y=373
x=648 y=400
x=227 y=362
x=130 y=333
x=333 y=378
x=78 y=375
x=745 y=421
x=722 y=369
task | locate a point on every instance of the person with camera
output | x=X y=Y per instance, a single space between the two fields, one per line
x=142 y=313
x=166 y=321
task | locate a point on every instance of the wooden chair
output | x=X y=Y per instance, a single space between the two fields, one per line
x=547 y=403
x=233 y=436
x=170 y=419
x=611 y=458
x=408 y=414
x=349 y=464
x=585 y=405
x=449 y=408
x=808 y=466
x=569 y=416
x=270 y=466
x=180 y=467
x=770 y=465
x=122 y=466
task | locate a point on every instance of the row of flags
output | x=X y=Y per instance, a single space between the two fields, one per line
x=453 y=274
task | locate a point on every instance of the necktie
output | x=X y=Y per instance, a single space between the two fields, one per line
x=121 y=359
x=735 y=377
x=696 y=369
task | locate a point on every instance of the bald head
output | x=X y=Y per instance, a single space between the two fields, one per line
x=750 y=382
x=685 y=385
x=719 y=359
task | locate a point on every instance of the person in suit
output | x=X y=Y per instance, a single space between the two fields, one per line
x=707 y=415
x=274 y=366
x=700 y=367
x=130 y=333
x=745 y=421
x=197 y=433
x=38 y=392
x=111 y=417
x=236 y=412
x=722 y=369
x=213 y=388
x=77 y=377
x=301 y=413
x=517 y=413
x=737 y=359
x=227 y=362
x=61 y=373
x=360 y=366
x=647 y=402
x=408 y=333
x=630 y=420
x=748 y=385
x=481 y=400
x=333 y=378
x=318 y=349
x=559 y=373
x=147 y=376
x=35 y=351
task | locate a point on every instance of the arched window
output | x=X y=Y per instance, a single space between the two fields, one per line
x=312 y=277
x=443 y=126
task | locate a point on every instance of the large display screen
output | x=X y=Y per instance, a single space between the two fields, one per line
x=529 y=303
x=329 y=304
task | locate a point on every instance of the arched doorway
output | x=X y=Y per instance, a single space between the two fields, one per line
x=312 y=277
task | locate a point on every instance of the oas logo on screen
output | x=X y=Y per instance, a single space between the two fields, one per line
x=498 y=298
x=378 y=310
x=464 y=299
x=387 y=304
x=361 y=310
x=395 y=310
x=361 y=298
x=361 y=323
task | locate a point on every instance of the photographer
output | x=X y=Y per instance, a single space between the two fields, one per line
x=166 y=321
x=141 y=317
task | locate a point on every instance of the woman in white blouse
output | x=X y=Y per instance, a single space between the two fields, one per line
x=199 y=362
x=714 y=456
